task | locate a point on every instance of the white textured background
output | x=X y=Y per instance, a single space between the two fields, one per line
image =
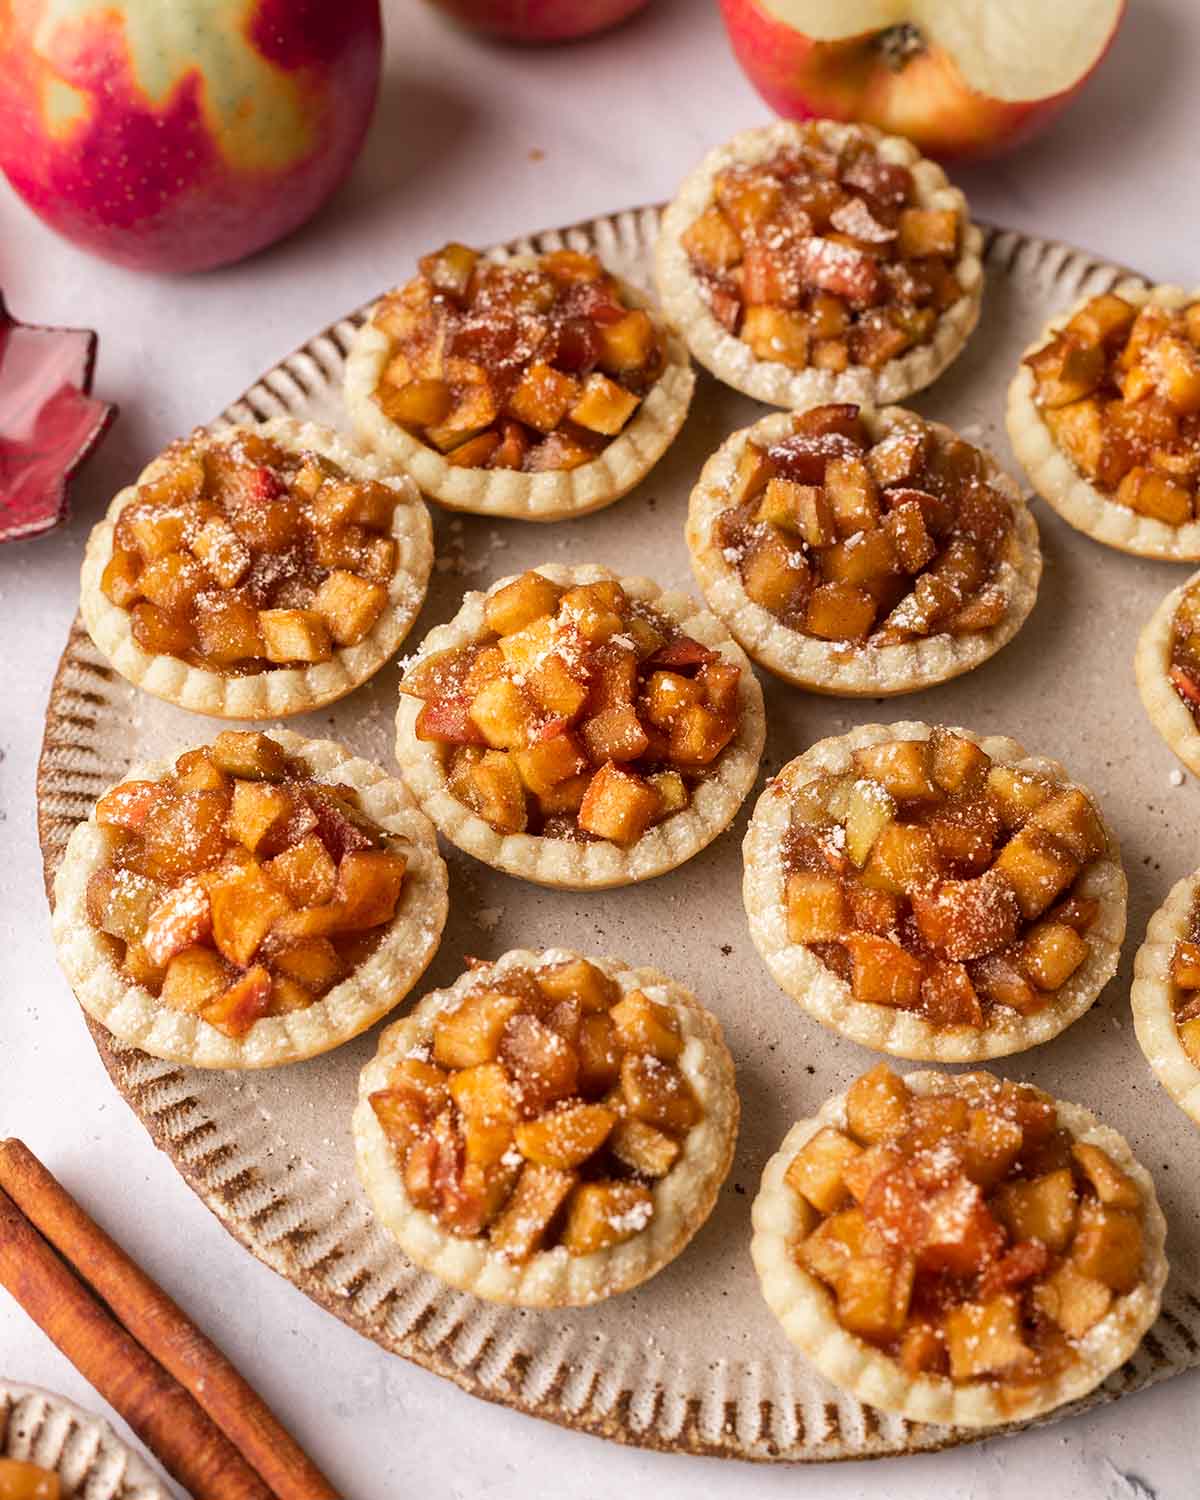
x=455 y=152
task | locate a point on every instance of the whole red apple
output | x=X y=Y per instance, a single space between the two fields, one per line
x=959 y=80
x=539 y=20
x=177 y=135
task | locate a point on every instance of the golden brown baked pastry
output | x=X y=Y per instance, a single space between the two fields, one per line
x=580 y=730
x=1166 y=995
x=820 y=262
x=1167 y=665
x=536 y=387
x=257 y=572
x=933 y=893
x=961 y=1250
x=862 y=553
x=1104 y=415
x=550 y=1130
x=264 y=899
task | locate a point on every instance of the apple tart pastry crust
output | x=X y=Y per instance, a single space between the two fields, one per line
x=1059 y=481
x=275 y=691
x=551 y=495
x=674 y=1196
x=732 y=360
x=566 y=862
x=806 y=1309
x=1168 y=710
x=847 y=668
x=1099 y=884
x=1155 y=993
x=373 y=986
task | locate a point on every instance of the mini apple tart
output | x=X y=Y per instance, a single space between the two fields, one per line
x=862 y=553
x=820 y=262
x=933 y=893
x=961 y=1250
x=257 y=572
x=550 y=1130
x=1167 y=664
x=1166 y=995
x=537 y=387
x=264 y=899
x=1104 y=415
x=580 y=730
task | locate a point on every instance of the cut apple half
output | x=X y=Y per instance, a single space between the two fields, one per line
x=959 y=77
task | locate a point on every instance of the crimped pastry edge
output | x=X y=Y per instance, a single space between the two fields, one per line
x=278 y=692
x=1059 y=482
x=805 y=1309
x=1152 y=995
x=732 y=361
x=372 y=989
x=600 y=864
x=834 y=667
x=828 y=999
x=683 y=1199
x=551 y=496
x=1151 y=664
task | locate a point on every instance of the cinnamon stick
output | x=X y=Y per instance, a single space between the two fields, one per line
x=162 y=1328
x=156 y=1406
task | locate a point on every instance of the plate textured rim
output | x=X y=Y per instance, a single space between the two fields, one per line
x=81 y=1447
x=261 y=1209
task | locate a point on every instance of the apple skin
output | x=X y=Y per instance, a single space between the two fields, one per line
x=927 y=100
x=178 y=135
x=539 y=20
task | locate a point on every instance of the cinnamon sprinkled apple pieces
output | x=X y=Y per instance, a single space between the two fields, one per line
x=257 y=571
x=580 y=729
x=244 y=906
x=932 y=894
x=989 y=1252
x=551 y=1130
x=535 y=387
x=857 y=552
x=820 y=261
x=1104 y=414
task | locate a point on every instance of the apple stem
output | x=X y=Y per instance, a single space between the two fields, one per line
x=899 y=44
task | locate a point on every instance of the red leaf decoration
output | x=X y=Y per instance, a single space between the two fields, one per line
x=49 y=423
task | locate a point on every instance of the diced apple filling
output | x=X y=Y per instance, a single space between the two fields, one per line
x=877 y=1105
x=237 y=887
x=932 y=880
x=515 y=367
x=877 y=542
x=943 y=1239
x=986 y=1338
x=817 y=1170
x=549 y=1104
x=1119 y=389
x=824 y=257
x=579 y=714
x=243 y=555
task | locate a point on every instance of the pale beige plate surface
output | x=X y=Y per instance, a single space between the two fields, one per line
x=692 y=1360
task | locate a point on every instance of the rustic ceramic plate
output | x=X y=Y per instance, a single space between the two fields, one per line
x=692 y=1361
x=83 y=1450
